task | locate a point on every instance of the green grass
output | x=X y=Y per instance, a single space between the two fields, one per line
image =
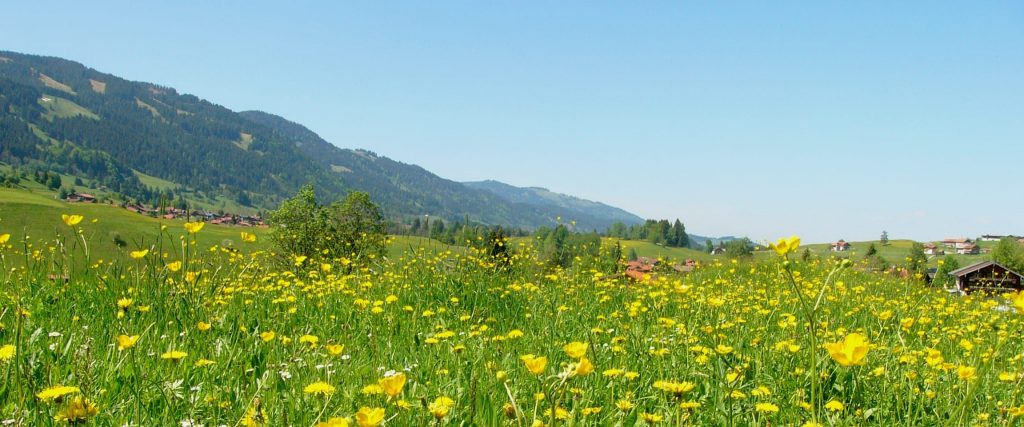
x=154 y=182
x=895 y=252
x=232 y=337
x=60 y=108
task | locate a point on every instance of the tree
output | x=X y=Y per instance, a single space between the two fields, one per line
x=1009 y=253
x=357 y=227
x=885 y=238
x=872 y=250
x=708 y=246
x=632 y=255
x=738 y=248
x=917 y=262
x=942 y=277
x=300 y=224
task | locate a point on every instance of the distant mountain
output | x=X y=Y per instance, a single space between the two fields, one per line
x=588 y=215
x=58 y=115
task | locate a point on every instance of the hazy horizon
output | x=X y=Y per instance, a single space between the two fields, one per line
x=824 y=120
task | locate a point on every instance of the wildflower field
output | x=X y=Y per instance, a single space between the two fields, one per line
x=181 y=334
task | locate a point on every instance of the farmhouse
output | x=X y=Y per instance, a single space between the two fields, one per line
x=641 y=268
x=968 y=249
x=986 y=276
x=956 y=242
x=81 y=197
x=933 y=249
x=840 y=246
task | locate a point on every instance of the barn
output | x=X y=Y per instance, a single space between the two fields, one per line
x=987 y=276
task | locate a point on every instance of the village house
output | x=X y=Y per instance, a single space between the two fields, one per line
x=968 y=249
x=956 y=242
x=986 y=276
x=718 y=250
x=641 y=268
x=840 y=246
x=933 y=249
x=81 y=197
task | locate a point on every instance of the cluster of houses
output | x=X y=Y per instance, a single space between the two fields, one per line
x=642 y=268
x=176 y=213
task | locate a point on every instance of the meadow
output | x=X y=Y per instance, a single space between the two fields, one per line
x=188 y=332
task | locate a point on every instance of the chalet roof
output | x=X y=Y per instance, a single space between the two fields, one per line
x=930 y=246
x=978 y=266
x=955 y=240
x=841 y=242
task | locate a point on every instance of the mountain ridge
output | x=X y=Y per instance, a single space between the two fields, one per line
x=60 y=115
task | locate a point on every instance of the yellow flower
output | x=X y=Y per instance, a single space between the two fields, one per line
x=312 y=340
x=583 y=367
x=1017 y=298
x=139 y=254
x=174 y=266
x=319 y=388
x=71 y=220
x=125 y=342
x=124 y=303
x=57 y=392
x=267 y=336
x=441 y=406
x=248 y=237
x=203 y=326
x=786 y=245
x=850 y=351
x=333 y=422
x=675 y=388
x=7 y=352
x=651 y=418
x=194 y=227
x=4 y=238
x=392 y=385
x=966 y=373
x=299 y=260
x=576 y=349
x=335 y=349
x=534 y=364
x=835 y=405
x=624 y=405
x=203 y=362
x=174 y=355
x=79 y=410
x=369 y=417
x=766 y=408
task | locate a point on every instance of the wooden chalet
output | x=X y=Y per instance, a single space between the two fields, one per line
x=840 y=246
x=81 y=197
x=956 y=242
x=968 y=249
x=933 y=249
x=641 y=269
x=986 y=276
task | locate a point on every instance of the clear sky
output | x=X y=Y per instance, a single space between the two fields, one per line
x=825 y=119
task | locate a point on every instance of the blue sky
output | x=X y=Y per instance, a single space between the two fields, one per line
x=825 y=119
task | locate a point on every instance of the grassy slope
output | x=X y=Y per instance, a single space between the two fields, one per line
x=35 y=212
x=895 y=252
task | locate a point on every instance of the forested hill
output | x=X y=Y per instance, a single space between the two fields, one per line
x=60 y=116
x=584 y=212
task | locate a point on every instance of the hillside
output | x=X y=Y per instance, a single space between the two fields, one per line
x=149 y=142
x=589 y=215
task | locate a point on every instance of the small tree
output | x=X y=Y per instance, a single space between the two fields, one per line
x=871 y=250
x=885 y=238
x=942 y=277
x=357 y=226
x=738 y=248
x=300 y=225
x=1009 y=253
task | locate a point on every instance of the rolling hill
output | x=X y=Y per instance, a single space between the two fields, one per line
x=589 y=215
x=149 y=142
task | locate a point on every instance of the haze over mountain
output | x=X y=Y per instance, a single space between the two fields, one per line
x=59 y=115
